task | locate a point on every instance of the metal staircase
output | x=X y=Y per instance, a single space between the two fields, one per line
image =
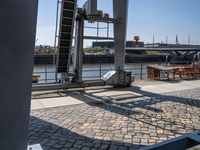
x=68 y=11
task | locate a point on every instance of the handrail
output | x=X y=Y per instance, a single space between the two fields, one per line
x=47 y=75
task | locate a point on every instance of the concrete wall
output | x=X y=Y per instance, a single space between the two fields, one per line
x=17 y=38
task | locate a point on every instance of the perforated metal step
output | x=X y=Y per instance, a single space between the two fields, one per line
x=68 y=10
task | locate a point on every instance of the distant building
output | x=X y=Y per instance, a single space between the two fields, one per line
x=110 y=44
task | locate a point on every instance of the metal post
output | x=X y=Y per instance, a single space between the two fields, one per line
x=166 y=59
x=120 y=28
x=100 y=70
x=166 y=40
x=177 y=39
x=97 y=30
x=141 y=71
x=78 y=70
x=45 y=73
x=189 y=40
x=108 y=29
x=194 y=59
x=18 y=28
x=198 y=57
x=55 y=40
x=153 y=40
x=56 y=31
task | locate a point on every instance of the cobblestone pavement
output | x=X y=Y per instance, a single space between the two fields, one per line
x=113 y=125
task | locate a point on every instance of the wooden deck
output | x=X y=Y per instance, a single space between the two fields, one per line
x=188 y=72
x=184 y=72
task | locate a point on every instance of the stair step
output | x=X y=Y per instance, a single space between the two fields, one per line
x=69 y=1
x=68 y=5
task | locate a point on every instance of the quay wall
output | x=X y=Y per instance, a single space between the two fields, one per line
x=94 y=59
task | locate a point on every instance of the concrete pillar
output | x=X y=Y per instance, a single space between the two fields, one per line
x=17 y=38
x=120 y=11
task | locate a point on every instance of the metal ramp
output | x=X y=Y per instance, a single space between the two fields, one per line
x=68 y=10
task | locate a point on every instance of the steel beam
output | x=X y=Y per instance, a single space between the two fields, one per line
x=120 y=12
x=17 y=43
x=78 y=58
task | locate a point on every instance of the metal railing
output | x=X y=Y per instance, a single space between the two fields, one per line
x=47 y=72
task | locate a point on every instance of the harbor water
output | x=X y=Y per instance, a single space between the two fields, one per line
x=90 y=71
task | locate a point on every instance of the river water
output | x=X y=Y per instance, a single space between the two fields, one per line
x=91 y=71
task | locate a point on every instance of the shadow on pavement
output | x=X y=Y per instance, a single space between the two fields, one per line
x=142 y=108
x=52 y=136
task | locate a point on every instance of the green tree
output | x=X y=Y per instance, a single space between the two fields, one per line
x=93 y=49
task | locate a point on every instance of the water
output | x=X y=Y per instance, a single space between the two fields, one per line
x=90 y=71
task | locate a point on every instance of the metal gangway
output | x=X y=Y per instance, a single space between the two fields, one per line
x=68 y=11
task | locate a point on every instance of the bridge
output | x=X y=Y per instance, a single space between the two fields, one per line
x=196 y=49
x=176 y=52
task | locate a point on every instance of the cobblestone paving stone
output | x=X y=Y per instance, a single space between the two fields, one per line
x=116 y=126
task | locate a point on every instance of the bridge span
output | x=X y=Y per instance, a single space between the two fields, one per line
x=163 y=49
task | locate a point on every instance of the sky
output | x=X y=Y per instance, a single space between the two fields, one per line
x=146 y=18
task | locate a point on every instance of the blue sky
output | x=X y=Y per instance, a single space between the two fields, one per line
x=146 y=18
